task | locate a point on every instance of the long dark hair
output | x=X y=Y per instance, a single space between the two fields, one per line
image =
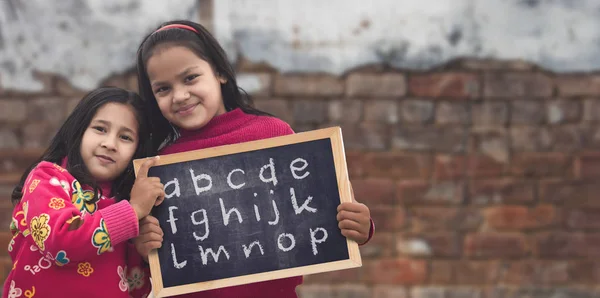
x=67 y=142
x=207 y=48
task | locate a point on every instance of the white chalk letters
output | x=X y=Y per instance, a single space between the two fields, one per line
x=234 y=217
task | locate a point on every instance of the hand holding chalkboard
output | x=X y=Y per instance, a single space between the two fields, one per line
x=150 y=237
x=146 y=191
x=251 y=212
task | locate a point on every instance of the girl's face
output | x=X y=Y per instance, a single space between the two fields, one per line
x=185 y=86
x=109 y=142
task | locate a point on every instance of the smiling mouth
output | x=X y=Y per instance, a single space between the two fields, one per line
x=186 y=109
x=105 y=158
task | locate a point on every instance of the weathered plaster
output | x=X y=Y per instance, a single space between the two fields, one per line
x=87 y=41
x=84 y=41
x=336 y=35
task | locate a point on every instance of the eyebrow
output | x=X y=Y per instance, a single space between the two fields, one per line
x=108 y=123
x=181 y=74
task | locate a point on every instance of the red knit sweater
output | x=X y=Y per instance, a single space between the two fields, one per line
x=65 y=244
x=232 y=128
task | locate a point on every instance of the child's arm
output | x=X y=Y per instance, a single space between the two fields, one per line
x=62 y=221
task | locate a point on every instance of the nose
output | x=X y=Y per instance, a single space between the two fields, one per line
x=109 y=142
x=180 y=95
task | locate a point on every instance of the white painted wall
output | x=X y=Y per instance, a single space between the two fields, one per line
x=87 y=41
x=335 y=35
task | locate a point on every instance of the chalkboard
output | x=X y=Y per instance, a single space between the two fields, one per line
x=251 y=212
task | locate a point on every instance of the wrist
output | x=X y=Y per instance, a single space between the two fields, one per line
x=138 y=213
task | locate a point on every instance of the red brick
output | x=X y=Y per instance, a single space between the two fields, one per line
x=475 y=272
x=584 y=271
x=365 y=136
x=434 y=245
x=382 y=246
x=489 y=113
x=397 y=165
x=442 y=272
x=13 y=110
x=570 y=193
x=279 y=108
x=308 y=85
x=499 y=191
x=457 y=166
x=376 y=85
x=521 y=217
x=5 y=238
x=564 y=111
x=578 y=85
x=588 y=165
x=351 y=290
x=383 y=291
x=450 y=139
x=396 y=271
x=355 y=163
x=347 y=275
x=491 y=64
x=6 y=209
x=345 y=110
x=517 y=84
x=418 y=192
x=308 y=111
x=588 y=218
x=542 y=165
x=5 y=268
x=381 y=111
x=119 y=81
x=495 y=245
x=567 y=245
x=388 y=218
x=448 y=113
x=65 y=88
x=534 y=272
x=434 y=219
x=449 y=167
x=456 y=85
x=372 y=191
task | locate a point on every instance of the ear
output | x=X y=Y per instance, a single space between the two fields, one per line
x=221 y=79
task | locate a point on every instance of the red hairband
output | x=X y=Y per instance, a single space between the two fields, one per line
x=180 y=26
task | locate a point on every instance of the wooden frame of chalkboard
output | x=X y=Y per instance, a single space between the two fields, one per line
x=352 y=258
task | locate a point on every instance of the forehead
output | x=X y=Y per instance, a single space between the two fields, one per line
x=118 y=115
x=168 y=61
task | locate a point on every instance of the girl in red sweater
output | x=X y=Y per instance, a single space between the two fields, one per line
x=194 y=102
x=71 y=224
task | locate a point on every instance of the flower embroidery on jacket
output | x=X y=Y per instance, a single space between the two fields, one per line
x=100 y=239
x=33 y=185
x=61 y=258
x=62 y=183
x=56 y=203
x=14 y=292
x=83 y=199
x=40 y=230
x=59 y=168
x=135 y=278
x=10 y=244
x=85 y=269
x=123 y=283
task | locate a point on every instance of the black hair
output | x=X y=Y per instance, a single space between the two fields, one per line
x=206 y=47
x=67 y=142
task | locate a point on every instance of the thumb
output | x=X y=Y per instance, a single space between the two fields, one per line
x=145 y=167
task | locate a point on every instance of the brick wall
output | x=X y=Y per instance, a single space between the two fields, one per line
x=479 y=175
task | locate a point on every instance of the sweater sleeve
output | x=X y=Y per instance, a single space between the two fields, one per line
x=63 y=221
x=138 y=273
